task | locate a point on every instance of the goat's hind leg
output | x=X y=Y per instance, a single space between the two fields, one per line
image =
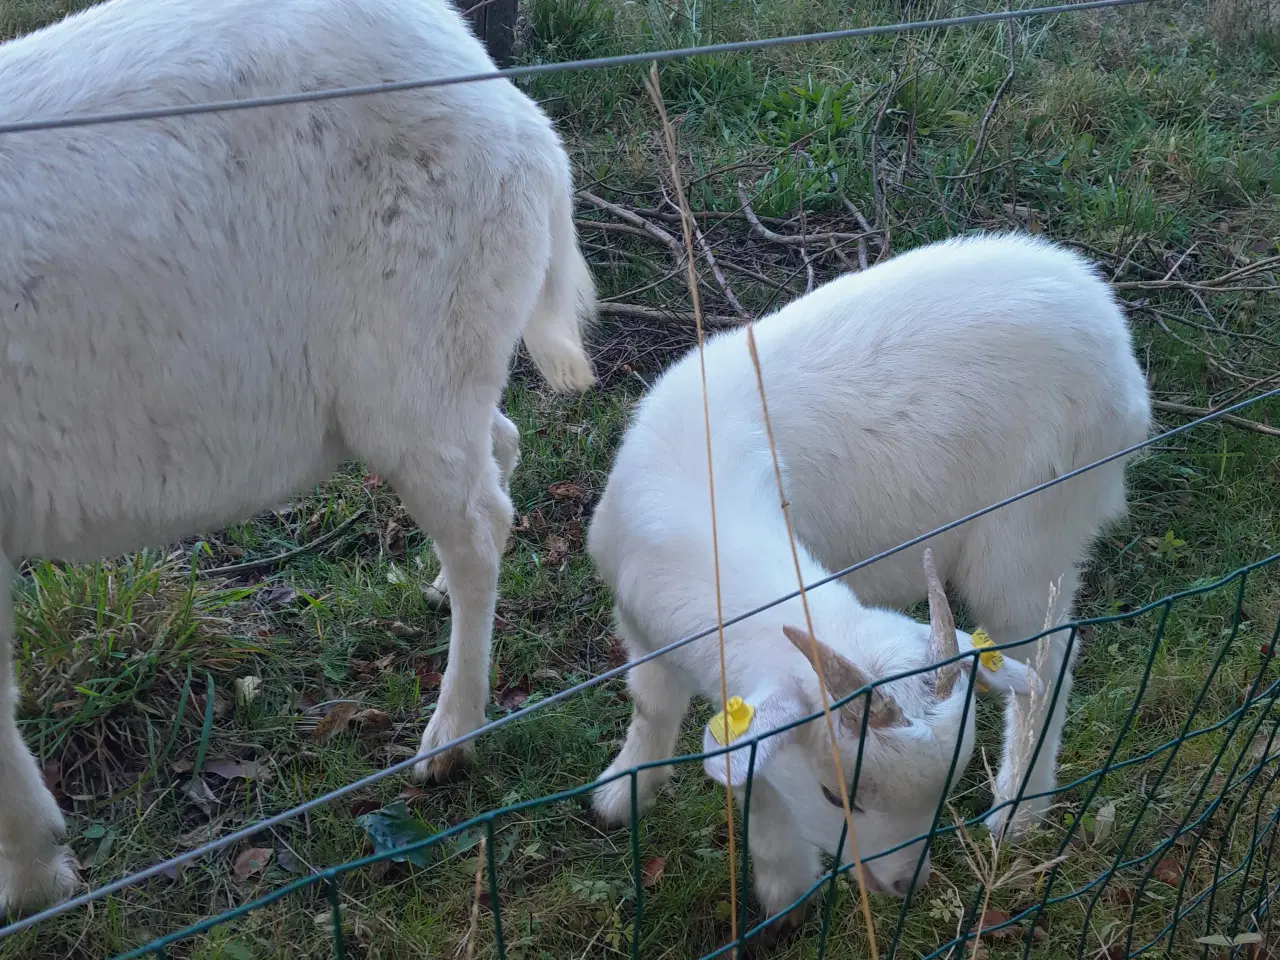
x=1037 y=719
x=506 y=452
x=34 y=868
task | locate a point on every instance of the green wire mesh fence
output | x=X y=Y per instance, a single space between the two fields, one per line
x=1216 y=896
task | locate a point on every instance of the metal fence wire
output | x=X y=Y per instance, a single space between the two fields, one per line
x=1215 y=895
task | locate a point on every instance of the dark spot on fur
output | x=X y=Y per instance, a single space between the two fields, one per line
x=391 y=214
x=388 y=273
x=28 y=288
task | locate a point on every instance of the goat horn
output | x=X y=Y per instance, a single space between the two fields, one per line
x=843 y=676
x=943 y=643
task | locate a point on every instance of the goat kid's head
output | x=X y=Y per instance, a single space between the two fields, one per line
x=913 y=728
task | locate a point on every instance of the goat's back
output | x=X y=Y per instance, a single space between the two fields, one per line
x=903 y=397
x=190 y=301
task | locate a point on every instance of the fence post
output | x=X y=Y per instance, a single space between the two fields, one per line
x=494 y=22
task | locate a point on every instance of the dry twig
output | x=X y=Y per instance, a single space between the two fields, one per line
x=622 y=213
x=250 y=566
x=786 y=240
x=1198 y=412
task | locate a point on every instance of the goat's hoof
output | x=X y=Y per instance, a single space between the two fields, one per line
x=436 y=594
x=447 y=724
x=783 y=929
x=443 y=767
x=611 y=802
x=37 y=879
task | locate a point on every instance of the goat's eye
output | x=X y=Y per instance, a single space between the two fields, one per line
x=834 y=799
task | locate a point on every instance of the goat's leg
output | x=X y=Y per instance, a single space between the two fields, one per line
x=784 y=865
x=34 y=868
x=506 y=452
x=449 y=484
x=1026 y=716
x=659 y=699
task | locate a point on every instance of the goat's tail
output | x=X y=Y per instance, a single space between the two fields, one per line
x=567 y=303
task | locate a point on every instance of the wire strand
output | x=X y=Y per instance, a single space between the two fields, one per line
x=542 y=69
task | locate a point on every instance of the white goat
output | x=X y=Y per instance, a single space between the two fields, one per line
x=206 y=314
x=900 y=398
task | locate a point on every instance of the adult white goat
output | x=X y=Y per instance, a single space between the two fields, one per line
x=206 y=314
x=900 y=398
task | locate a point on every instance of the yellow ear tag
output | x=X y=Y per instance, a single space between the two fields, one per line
x=734 y=718
x=993 y=660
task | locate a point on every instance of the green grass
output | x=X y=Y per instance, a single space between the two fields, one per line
x=1138 y=135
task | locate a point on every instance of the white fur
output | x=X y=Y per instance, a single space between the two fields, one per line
x=901 y=398
x=202 y=315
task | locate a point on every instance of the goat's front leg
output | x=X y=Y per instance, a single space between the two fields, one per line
x=784 y=864
x=506 y=452
x=34 y=868
x=659 y=700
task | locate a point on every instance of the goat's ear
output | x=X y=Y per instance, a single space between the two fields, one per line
x=771 y=707
x=1000 y=674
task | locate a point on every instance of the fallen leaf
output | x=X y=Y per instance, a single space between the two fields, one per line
x=1103 y=821
x=412 y=793
x=513 y=696
x=993 y=918
x=246 y=690
x=287 y=861
x=237 y=769
x=251 y=861
x=562 y=490
x=557 y=550
x=384 y=663
x=428 y=680
x=1222 y=940
x=372 y=719
x=104 y=850
x=371 y=481
x=206 y=831
x=360 y=807
x=393 y=828
x=1121 y=894
x=335 y=721
x=1168 y=871
x=277 y=596
x=651 y=873
x=402 y=630
x=393 y=537
x=199 y=793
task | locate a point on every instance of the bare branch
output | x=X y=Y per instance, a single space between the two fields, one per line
x=622 y=213
x=1198 y=412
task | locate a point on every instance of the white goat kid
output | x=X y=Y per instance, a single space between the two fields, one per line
x=901 y=398
x=206 y=314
